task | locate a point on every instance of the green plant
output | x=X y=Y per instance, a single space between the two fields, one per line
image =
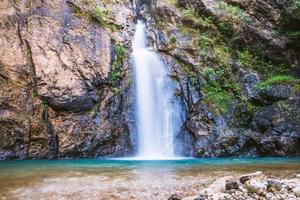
x=217 y=97
x=293 y=8
x=209 y=73
x=235 y=12
x=292 y=34
x=100 y=14
x=257 y=62
x=116 y=90
x=172 y=39
x=45 y=102
x=226 y=28
x=278 y=79
x=190 y=12
x=206 y=41
x=115 y=73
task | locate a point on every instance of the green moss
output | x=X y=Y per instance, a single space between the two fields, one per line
x=257 y=62
x=278 y=79
x=235 y=11
x=218 y=98
x=100 y=14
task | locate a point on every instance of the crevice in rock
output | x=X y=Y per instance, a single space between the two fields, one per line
x=32 y=67
x=52 y=137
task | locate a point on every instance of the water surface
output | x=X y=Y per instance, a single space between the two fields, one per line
x=127 y=179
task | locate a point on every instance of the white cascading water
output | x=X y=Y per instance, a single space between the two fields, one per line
x=156 y=121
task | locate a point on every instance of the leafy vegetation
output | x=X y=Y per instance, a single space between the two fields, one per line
x=277 y=80
x=219 y=90
x=292 y=34
x=216 y=96
x=172 y=39
x=100 y=14
x=293 y=8
x=115 y=74
x=235 y=12
x=257 y=62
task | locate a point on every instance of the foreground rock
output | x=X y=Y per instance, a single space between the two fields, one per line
x=252 y=186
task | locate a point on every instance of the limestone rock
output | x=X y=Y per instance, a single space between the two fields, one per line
x=254 y=186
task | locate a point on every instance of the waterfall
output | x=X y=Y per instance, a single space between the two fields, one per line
x=155 y=113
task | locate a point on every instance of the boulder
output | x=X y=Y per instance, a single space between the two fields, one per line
x=278 y=92
x=255 y=186
x=274 y=183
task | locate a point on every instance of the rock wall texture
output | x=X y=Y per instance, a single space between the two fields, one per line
x=65 y=76
x=234 y=107
x=56 y=96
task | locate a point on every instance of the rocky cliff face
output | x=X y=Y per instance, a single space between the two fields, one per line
x=233 y=61
x=66 y=88
x=64 y=80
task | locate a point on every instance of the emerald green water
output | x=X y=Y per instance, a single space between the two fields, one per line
x=127 y=179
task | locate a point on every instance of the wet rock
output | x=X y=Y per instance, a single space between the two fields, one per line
x=248 y=177
x=280 y=128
